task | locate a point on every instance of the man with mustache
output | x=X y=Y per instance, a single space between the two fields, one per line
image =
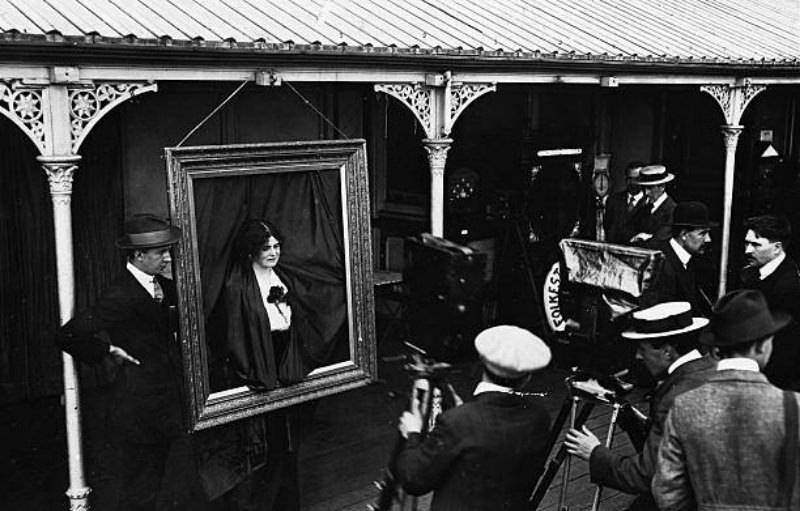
x=772 y=271
x=691 y=228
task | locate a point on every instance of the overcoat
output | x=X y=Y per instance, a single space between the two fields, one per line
x=147 y=397
x=676 y=282
x=659 y=222
x=634 y=473
x=782 y=290
x=485 y=455
x=620 y=224
x=723 y=446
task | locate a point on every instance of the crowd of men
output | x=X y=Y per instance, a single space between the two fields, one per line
x=723 y=422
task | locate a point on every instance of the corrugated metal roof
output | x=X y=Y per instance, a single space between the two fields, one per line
x=721 y=31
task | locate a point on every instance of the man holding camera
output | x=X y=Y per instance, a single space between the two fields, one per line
x=667 y=345
x=488 y=453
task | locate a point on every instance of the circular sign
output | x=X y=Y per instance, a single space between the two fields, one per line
x=552 y=309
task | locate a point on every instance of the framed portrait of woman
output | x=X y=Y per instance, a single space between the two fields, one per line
x=274 y=274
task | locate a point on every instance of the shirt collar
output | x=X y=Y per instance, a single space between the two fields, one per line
x=486 y=386
x=658 y=202
x=143 y=278
x=740 y=363
x=769 y=268
x=681 y=252
x=636 y=197
x=686 y=357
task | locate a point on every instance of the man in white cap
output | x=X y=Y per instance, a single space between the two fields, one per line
x=660 y=206
x=487 y=454
x=667 y=336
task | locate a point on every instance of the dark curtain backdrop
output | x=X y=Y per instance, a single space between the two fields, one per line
x=306 y=207
x=29 y=361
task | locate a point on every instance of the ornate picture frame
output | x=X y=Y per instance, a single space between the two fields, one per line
x=191 y=169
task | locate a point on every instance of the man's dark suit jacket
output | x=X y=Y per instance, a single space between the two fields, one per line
x=633 y=474
x=658 y=223
x=147 y=397
x=484 y=455
x=676 y=283
x=782 y=291
x=620 y=224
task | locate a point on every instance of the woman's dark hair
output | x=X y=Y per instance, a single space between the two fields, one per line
x=252 y=237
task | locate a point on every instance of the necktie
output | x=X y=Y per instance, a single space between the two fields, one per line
x=631 y=203
x=158 y=293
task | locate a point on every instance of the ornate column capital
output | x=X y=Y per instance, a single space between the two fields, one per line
x=60 y=170
x=733 y=99
x=87 y=105
x=437 y=154
x=730 y=134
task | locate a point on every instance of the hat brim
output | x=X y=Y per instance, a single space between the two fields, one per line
x=780 y=321
x=694 y=226
x=164 y=238
x=666 y=179
x=697 y=324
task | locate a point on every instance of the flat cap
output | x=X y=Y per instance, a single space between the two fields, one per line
x=511 y=352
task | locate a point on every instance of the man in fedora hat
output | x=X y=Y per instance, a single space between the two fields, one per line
x=132 y=326
x=773 y=272
x=666 y=336
x=625 y=209
x=731 y=443
x=691 y=228
x=655 y=224
x=488 y=453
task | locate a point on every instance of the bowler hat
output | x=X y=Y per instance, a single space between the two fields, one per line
x=510 y=351
x=148 y=231
x=691 y=214
x=743 y=316
x=654 y=175
x=663 y=320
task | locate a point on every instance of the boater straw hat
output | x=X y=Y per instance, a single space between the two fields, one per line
x=654 y=175
x=663 y=320
x=148 y=231
x=511 y=352
x=743 y=316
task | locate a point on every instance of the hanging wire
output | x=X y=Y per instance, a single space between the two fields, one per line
x=312 y=107
x=200 y=124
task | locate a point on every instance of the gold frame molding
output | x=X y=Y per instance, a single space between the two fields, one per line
x=187 y=164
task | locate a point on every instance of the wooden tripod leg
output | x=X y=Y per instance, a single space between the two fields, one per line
x=609 y=439
x=562 y=499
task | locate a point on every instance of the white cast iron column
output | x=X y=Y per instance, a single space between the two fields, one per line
x=60 y=170
x=437 y=159
x=732 y=99
x=437 y=105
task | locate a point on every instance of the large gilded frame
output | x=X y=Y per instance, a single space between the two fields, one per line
x=185 y=165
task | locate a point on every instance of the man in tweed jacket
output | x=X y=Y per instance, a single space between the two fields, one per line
x=726 y=444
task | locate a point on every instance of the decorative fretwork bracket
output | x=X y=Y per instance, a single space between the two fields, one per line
x=24 y=105
x=733 y=99
x=28 y=106
x=460 y=96
x=88 y=105
x=436 y=107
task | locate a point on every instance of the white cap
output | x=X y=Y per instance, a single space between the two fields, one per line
x=510 y=351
